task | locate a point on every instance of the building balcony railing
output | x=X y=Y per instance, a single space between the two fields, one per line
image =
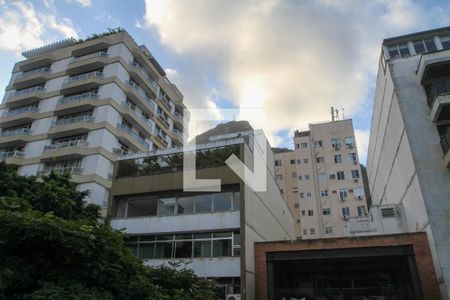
x=89 y=56
x=21 y=111
x=164 y=120
x=132 y=107
x=180 y=135
x=129 y=131
x=12 y=154
x=20 y=131
x=147 y=76
x=79 y=143
x=162 y=137
x=97 y=74
x=34 y=89
x=445 y=140
x=436 y=89
x=79 y=119
x=33 y=72
x=78 y=97
x=61 y=170
x=141 y=92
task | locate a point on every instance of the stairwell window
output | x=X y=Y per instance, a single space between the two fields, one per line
x=278 y=177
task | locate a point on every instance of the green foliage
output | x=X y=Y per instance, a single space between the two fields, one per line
x=58 y=249
x=96 y=35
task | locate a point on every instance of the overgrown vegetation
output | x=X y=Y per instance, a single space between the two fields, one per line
x=100 y=35
x=53 y=247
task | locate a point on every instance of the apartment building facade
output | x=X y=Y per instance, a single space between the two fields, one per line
x=408 y=159
x=212 y=232
x=321 y=180
x=73 y=107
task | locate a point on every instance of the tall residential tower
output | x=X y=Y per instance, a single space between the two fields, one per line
x=73 y=106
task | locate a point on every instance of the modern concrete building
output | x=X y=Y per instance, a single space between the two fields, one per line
x=74 y=106
x=213 y=232
x=321 y=179
x=408 y=158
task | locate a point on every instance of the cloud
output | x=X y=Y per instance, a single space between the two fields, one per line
x=293 y=59
x=83 y=3
x=362 y=143
x=22 y=27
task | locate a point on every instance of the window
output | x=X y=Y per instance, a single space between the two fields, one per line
x=346 y=211
x=355 y=174
x=296 y=205
x=317 y=144
x=338 y=159
x=308 y=195
x=221 y=247
x=302 y=195
x=326 y=211
x=358 y=192
x=278 y=177
x=324 y=193
x=423 y=46
x=352 y=157
x=306 y=177
x=328 y=230
x=445 y=41
x=312 y=231
x=305 y=160
x=139 y=207
x=340 y=175
x=294 y=190
x=222 y=201
x=322 y=176
x=292 y=161
x=297 y=146
x=361 y=210
x=203 y=203
x=303 y=145
x=299 y=161
x=185 y=206
x=349 y=141
x=343 y=194
x=310 y=213
x=294 y=175
x=166 y=207
x=183 y=249
x=400 y=50
x=336 y=143
x=278 y=162
x=319 y=159
x=305 y=232
x=300 y=177
x=303 y=212
x=281 y=191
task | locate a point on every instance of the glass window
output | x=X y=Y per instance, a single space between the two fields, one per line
x=361 y=210
x=302 y=195
x=304 y=145
x=163 y=250
x=185 y=205
x=324 y=193
x=308 y=195
x=340 y=175
x=336 y=143
x=278 y=162
x=393 y=52
x=419 y=47
x=221 y=234
x=328 y=230
x=183 y=249
x=355 y=174
x=278 y=177
x=236 y=238
x=404 y=51
x=222 y=247
x=305 y=232
x=317 y=144
x=352 y=157
x=306 y=177
x=326 y=211
x=445 y=41
x=319 y=159
x=346 y=211
x=146 y=250
x=305 y=160
x=222 y=201
x=431 y=46
x=202 y=248
x=310 y=212
x=338 y=159
x=141 y=207
x=236 y=200
x=300 y=177
x=343 y=194
x=323 y=176
x=349 y=141
x=166 y=207
x=203 y=203
x=312 y=231
x=292 y=161
x=299 y=161
x=133 y=248
x=303 y=212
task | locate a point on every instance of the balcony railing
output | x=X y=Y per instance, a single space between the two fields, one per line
x=21 y=111
x=89 y=56
x=147 y=76
x=35 y=71
x=438 y=88
x=180 y=135
x=162 y=136
x=34 y=89
x=12 y=154
x=164 y=120
x=149 y=100
x=445 y=140
x=61 y=170
x=97 y=74
x=79 y=119
x=70 y=144
x=129 y=131
x=78 y=97
x=132 y=107
x=20 y=131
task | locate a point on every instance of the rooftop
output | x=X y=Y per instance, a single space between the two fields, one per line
x=408 y=36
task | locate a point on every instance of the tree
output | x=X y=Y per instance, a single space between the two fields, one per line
x=58 y=250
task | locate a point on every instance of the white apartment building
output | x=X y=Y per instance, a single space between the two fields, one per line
x=409 y=159
x=73 y=107
x=212 y=232
x=321 y=180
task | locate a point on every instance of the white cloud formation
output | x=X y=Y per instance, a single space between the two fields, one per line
x=22 y=27
x=83 y=3
x=362 y=143
x=294 y=59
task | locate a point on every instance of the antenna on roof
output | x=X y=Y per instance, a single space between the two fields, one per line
x=334 y=114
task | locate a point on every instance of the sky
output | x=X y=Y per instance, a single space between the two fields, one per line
x=286 y=61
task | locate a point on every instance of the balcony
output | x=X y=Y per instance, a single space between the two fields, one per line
x=179 y=135
x=71 y=144
x=20 y=132
x=88 y=62
x=77 y=98
x=75 y=125
x=78 y=102
x=12 y=154
x=164 y=121
x=136 y=117
x=162 y=138
x=79 y=119
x=148 y=80
x=15 y=112
x=14 y=136
x=439 y=103
x=82 y=82
x=137 y=93
x=16 y=117
x=66 y=149
x=445 y=144
x=61 y=170
x=133 y=134
x=27 y=96
x=33 y=77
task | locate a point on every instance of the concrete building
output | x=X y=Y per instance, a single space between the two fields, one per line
x=74 y=106
x=213 y=232
x=408 y=158
x=321 y=179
